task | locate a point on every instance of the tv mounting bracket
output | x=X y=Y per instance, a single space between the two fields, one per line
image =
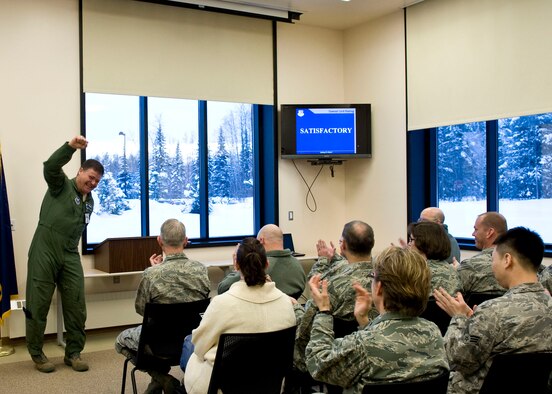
x=321 y=162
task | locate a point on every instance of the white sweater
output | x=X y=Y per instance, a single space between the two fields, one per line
x=242 y=309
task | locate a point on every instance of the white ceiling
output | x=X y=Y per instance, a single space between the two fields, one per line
x=334 y=14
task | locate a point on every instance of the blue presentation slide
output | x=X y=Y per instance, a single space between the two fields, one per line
x=325 y=131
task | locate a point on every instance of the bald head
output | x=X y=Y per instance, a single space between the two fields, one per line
x=271 y=237
x=433 y=214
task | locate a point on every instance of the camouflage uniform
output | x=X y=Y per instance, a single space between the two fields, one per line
x=545 y=277
x=391 y=348
x=284 y=270
x=518 y=322
x=443 y=275
x=177 y=279
x=476 y=275
x=340 y=275
x=454 y=248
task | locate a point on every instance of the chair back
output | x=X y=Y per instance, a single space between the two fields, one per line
x=252 y=363
x=163 y=330
x=478 y=298
x=438 y=316
x=343 y=328
x=519 y=373
x=436 y=385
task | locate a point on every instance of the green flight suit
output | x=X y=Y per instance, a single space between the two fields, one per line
x=54 y=258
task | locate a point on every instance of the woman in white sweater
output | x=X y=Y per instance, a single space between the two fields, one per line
x=251 y=305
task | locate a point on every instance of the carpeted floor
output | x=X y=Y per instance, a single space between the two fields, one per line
x=103 y=377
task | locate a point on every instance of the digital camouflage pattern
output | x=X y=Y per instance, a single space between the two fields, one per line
x=476 y=274
x=391 y=348
x=443 y=275
x=520 y=321
x=176 y=279
x=545 y=277
x=340 y=275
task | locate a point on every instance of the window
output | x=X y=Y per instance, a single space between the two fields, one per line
x=187 y=159
x=462 y=175
x=500 y=165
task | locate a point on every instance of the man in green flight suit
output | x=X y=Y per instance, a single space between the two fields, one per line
x=53 y=256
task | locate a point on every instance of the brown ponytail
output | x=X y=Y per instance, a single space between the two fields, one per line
x=251 y=260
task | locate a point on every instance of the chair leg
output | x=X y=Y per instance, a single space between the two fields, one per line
x=123 y=384
x=132 y=375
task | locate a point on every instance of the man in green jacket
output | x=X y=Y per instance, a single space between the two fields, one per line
x=54 y=259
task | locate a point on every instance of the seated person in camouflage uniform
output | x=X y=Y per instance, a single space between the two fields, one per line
x=545 y=277
x=395 y=346
x=172 y=278
x=430 y=239
x=475 y=273
x=520 y=321
x=284 y=269
x=353 y=265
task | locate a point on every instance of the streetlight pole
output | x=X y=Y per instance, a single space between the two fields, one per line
x=124 y=144
x=124 y=170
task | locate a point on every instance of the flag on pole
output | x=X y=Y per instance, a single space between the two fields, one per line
x=8 y=280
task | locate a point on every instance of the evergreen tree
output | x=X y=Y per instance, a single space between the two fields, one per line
x=123 y=179
x=176 y=178
x=219 y=176
x=158 y=179
x=134 y=177
x=110 y=195
x=194 y=187
x=461 y=162
x=246 y=152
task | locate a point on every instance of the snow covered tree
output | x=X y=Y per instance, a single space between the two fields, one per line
x=111 y=197
x=219 y=176
x=461 y=161
x=158 y=178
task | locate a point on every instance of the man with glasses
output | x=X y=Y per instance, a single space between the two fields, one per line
x=396 y=346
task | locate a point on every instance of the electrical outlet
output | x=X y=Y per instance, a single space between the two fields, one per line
x=290 y=215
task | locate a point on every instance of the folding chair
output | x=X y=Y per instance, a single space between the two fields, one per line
x=252 y=363
x=519 y=373
x=478 y=298
x=436 y=385
x=163 y=330
x=438 y=316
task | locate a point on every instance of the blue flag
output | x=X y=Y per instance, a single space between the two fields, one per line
x=8 y=280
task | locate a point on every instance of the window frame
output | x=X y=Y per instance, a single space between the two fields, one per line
x=422 y=175
x=265 y=199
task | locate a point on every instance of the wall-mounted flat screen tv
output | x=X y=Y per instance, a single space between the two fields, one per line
x=325 y=131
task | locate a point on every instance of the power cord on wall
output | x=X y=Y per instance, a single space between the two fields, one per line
x=309 y=187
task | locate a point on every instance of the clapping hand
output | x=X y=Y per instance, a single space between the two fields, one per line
x=324 y=250
x=319 y=293
x=454 y=306
x=363 y=303
x=156 y=259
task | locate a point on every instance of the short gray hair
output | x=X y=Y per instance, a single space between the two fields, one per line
x=173 y=232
